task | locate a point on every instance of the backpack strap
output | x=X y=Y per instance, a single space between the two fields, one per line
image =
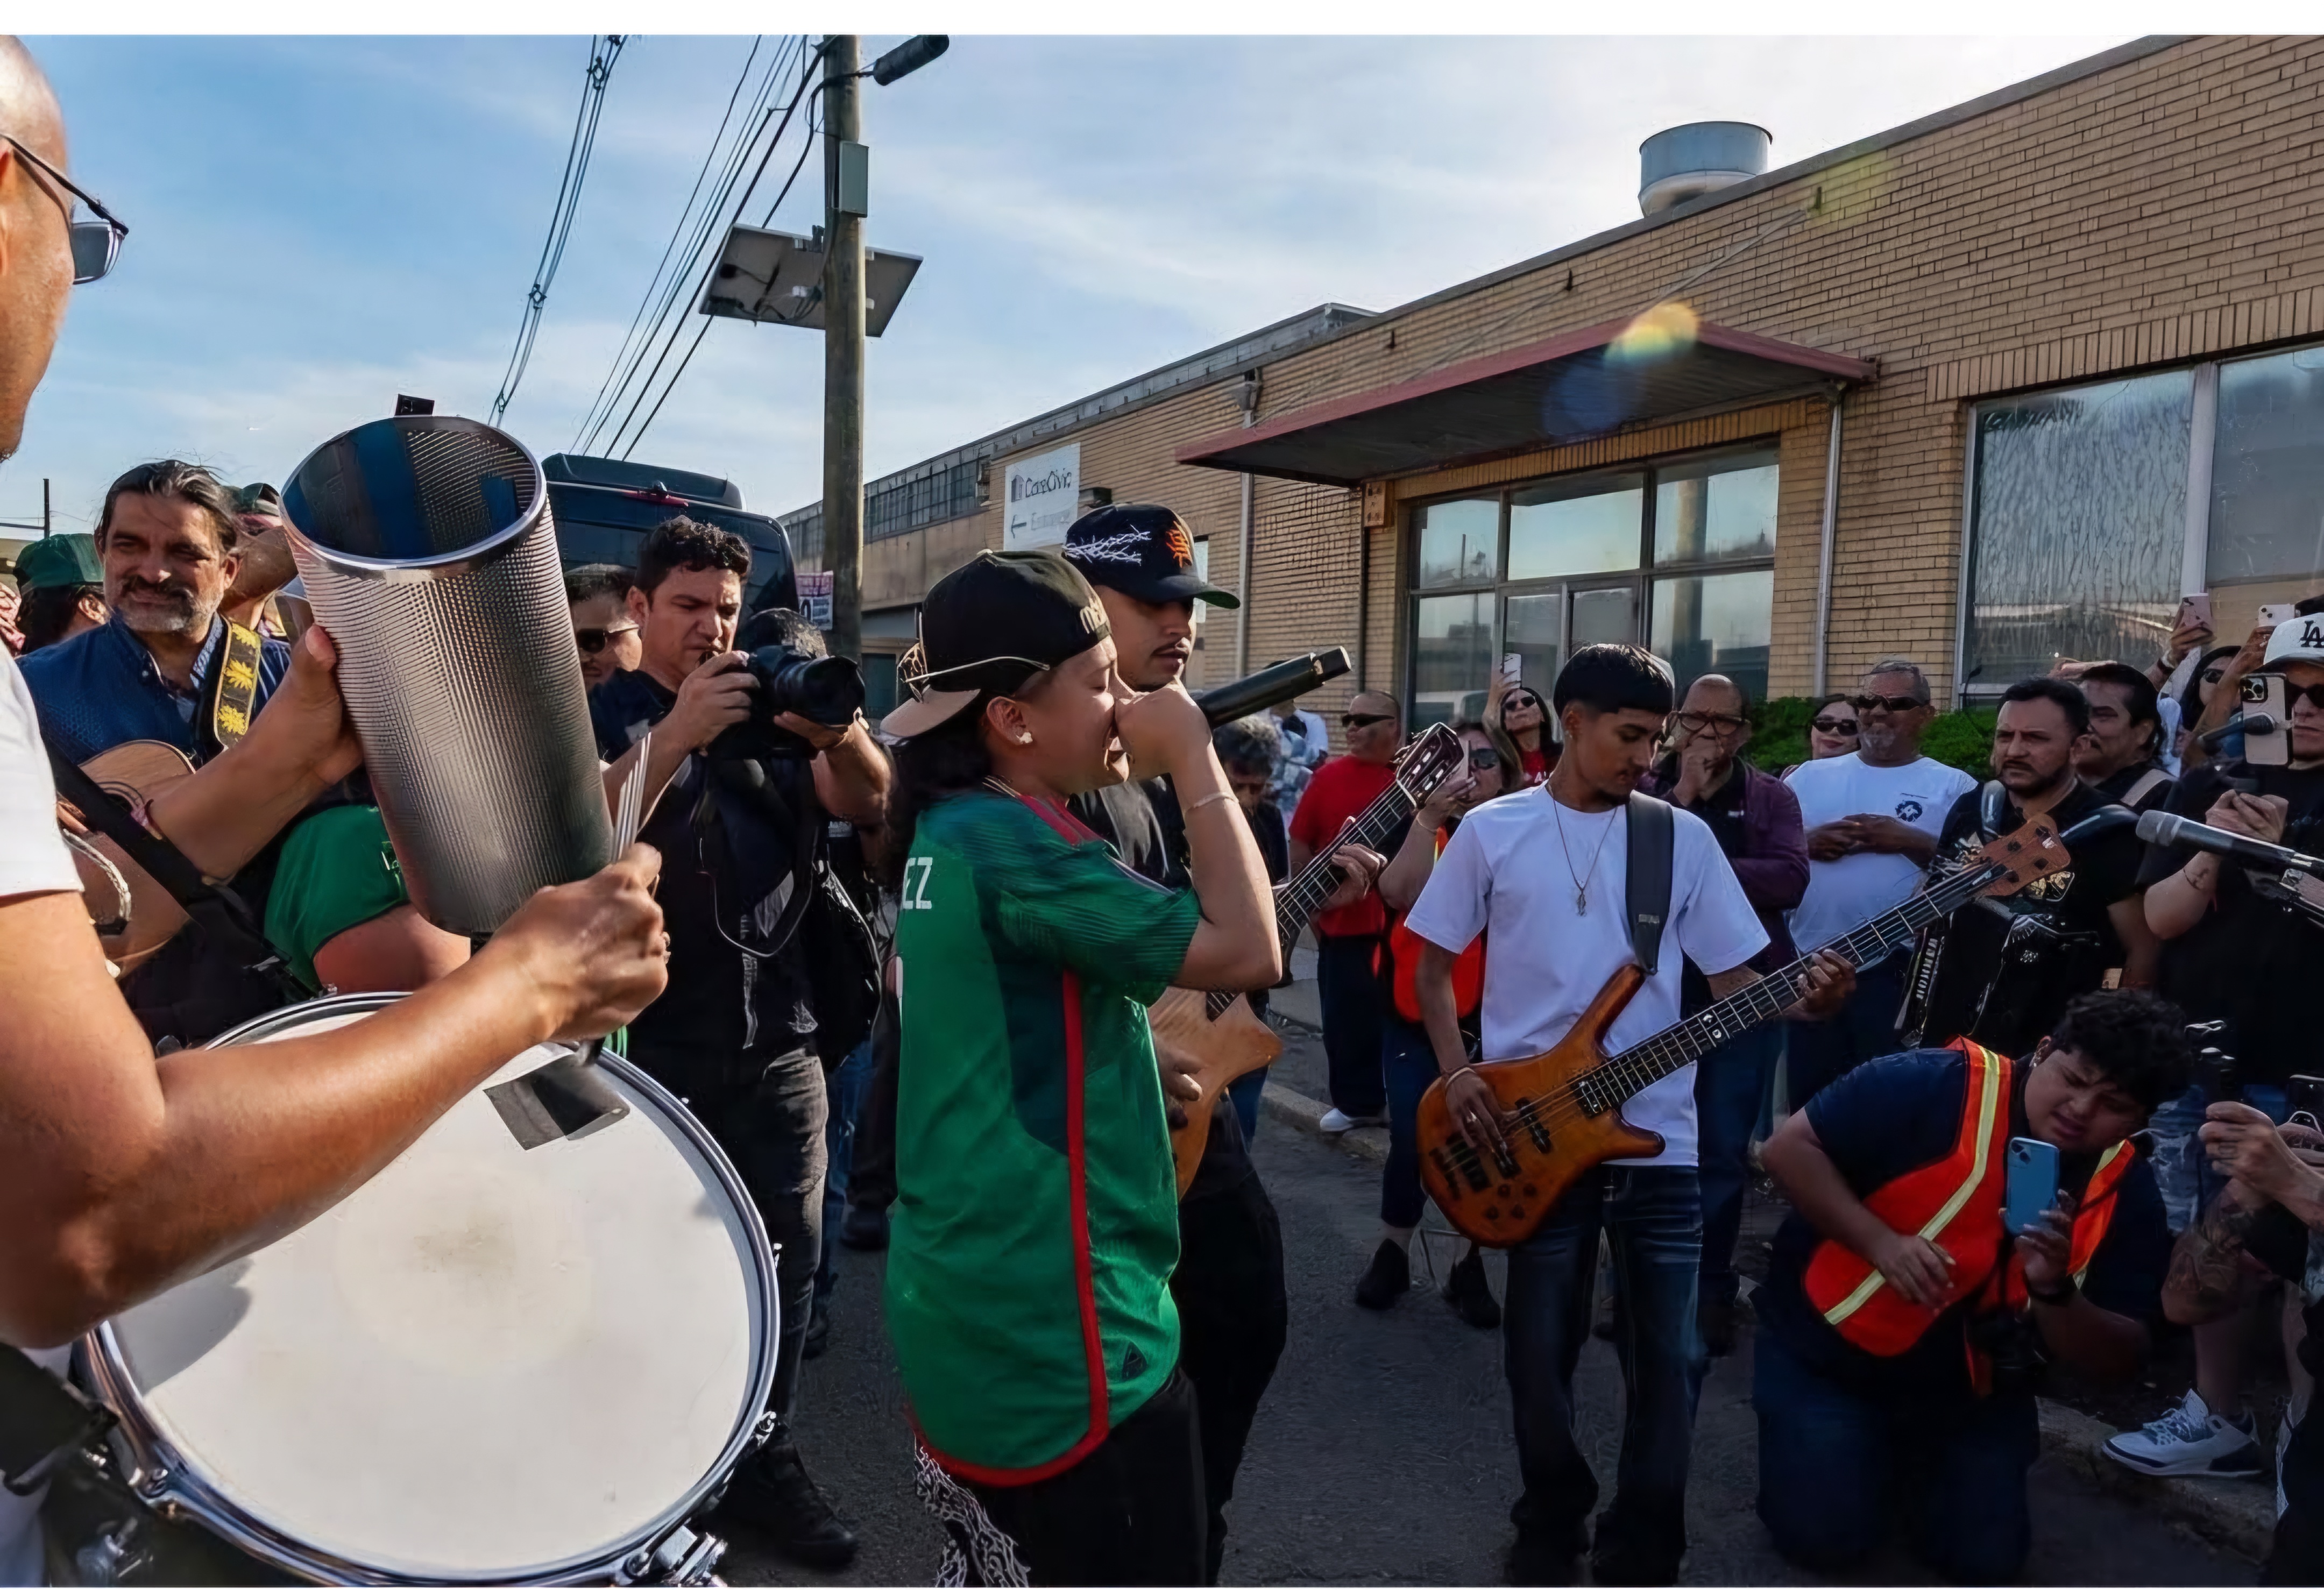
x=1652 y=839
x=2145 y=786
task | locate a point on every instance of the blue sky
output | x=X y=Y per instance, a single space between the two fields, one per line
x=320 y=224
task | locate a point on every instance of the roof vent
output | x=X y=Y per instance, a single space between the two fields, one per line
x=1686 y=163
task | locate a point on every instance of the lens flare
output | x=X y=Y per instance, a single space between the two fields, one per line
x=1666 y=329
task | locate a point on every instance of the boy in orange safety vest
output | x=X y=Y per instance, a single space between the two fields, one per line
x=1904 y=1329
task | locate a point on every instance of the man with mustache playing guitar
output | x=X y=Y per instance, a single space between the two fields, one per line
x=1546 y=873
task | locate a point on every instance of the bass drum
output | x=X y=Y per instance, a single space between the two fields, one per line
x=490 y=1364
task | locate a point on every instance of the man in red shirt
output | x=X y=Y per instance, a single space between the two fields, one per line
x=1348 y=937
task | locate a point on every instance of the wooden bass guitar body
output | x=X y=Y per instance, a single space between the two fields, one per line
x=1551 y=1141
x=131 y=929
x=1232 y=1044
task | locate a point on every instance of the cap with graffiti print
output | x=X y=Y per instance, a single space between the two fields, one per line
x=1142 y=550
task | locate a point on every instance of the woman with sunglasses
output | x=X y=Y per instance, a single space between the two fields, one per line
x=603 y=629
x=1519 y=724
x=1832 y=731
x=2202 y=685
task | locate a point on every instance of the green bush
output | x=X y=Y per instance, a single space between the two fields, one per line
x=1779 y=736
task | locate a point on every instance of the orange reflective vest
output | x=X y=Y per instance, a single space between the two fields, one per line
x=1955 y=1204
x=1404 y=963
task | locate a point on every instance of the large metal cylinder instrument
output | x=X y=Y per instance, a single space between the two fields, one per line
x=426 y=548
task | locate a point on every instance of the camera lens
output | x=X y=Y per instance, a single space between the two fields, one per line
x=827 y=690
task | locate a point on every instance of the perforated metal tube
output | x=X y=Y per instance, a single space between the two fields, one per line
x=427 y=551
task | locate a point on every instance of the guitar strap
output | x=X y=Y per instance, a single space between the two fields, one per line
x=1653 y=837
x=230 y=694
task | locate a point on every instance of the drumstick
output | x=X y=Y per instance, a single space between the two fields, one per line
x=628 y=816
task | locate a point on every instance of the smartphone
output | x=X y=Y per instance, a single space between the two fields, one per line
x=1513 y=666
x=2272 y=613
x=2194 y=609
x=2266 y=693
x=2303 y=1098
x=2032 y=1188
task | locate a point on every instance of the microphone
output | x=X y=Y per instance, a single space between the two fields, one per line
x=2163 y=828
x=1288 y=679
x=2241 y=723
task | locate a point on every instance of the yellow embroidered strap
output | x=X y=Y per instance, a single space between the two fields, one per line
x=1989 y=1076
x=233 y=692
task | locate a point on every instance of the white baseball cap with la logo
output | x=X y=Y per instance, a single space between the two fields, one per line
x=2300 y=640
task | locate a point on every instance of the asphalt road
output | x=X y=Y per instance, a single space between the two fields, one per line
x=1382 y=1454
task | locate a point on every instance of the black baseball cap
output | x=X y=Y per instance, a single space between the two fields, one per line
x=990 y=625
x=1142 y=550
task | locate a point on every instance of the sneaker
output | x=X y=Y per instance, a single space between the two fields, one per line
x=1472 y=1298
x=773 y=1493
x=1337 y=1120
x=1388 y=1278
x=864 y=1228
x=2190 y=1439
x=818 y=1330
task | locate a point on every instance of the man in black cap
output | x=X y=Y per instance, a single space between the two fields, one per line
x=1229 y=1283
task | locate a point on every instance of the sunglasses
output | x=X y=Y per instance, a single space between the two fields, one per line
x=1481 y=757
x=1894 y=704
x=1364 y=720
x=1834 y=725
x=593 y=641
x=1723 y=722
x=2213 y=675
x=1522 y=700
x=2294 y=694
x=96 y=244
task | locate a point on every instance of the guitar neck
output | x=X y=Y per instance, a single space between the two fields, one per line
x=1643 y=1065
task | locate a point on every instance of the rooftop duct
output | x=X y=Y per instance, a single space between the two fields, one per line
x=1684 y=162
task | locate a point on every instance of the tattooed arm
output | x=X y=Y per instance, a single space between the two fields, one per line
x=2207 y=1269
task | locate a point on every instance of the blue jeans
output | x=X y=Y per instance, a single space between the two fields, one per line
x=1654 y=1216
x=2182 y=1171
x=847 y=1084
x=1864 y=1029
x=1409 y=1066
x=1831 y=1460
x=1243 y=1094
x=1730 y=1088
x=1348 y=987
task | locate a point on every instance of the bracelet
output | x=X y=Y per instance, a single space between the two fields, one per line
x=1215 y=795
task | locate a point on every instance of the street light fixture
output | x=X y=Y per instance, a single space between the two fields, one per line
x=910 y=56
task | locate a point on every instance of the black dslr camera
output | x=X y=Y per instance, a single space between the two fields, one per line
x=792 y=678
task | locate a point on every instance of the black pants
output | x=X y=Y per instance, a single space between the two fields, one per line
x=871 y=1168
x=2297 y=1557
x=1348 y=987
x=1130 y=1512
x=1819 y=1052
x=1232 y=1319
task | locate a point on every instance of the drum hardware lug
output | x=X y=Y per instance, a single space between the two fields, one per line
x=682 y=1557
x=764 y=1430
x=113 y=1555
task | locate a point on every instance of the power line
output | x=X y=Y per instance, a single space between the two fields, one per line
x=603 y=51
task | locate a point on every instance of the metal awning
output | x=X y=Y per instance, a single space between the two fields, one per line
x=1567 y=388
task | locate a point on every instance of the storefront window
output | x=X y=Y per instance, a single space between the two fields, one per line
x=1578 y=527
x=1460 y=542
x=1714 y=513
x=2077 y=525
x=2267 y=474
x=1716 y=624
x=1452 y=656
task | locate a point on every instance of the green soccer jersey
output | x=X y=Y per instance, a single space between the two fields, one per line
x=1035 y=1223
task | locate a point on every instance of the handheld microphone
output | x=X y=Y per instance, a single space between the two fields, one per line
x=2163 y=828
x=2241 y=723
x=1286 y=680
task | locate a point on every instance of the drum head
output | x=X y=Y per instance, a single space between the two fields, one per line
x=487 y=1363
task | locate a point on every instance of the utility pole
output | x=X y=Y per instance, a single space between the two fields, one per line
x=842 y=340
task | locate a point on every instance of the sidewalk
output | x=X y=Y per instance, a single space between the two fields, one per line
x=2234 y=1515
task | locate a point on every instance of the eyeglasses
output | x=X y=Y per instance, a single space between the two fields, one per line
x=2213 y=675
x=1834 y=725
x=96 y=244
x=2294 y=694
x=1481 y=757
x=1894 y=704
x=1718 y=722
x=593 y=641
x=1364 y=720
x=1522 y=700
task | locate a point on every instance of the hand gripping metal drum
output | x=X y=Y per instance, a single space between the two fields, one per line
x=489 y=1364
x=426 y=548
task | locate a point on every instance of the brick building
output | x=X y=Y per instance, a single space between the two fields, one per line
x=2001 y=383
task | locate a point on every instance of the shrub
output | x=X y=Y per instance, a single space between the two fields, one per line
x=1779 y=736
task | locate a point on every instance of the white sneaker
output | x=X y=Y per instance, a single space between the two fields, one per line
x=2190 y=1439
x=1335 y=1121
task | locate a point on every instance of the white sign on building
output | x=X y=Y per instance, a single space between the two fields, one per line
x=1044 y=492
x=814 y=596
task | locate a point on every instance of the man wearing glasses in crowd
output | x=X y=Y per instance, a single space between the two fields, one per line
x=1348 y=937
x=608 y=638
x=1756 y=819
x=1873 y=817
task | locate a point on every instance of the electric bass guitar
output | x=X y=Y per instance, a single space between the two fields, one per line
x=1220 y=1030
x=1561 y=1111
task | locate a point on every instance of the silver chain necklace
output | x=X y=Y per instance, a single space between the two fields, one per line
x=1581 y=880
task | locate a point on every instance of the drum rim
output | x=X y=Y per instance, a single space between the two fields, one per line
x=163 y=1477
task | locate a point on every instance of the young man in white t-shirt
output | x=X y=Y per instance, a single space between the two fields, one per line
x=1545 y=873
x=1873 y=818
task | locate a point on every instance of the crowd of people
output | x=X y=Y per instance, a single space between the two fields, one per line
x=938 y=1044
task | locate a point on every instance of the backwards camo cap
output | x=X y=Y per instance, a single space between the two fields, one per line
x=990 y=625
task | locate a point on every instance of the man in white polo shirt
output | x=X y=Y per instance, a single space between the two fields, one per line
x=1873 y=817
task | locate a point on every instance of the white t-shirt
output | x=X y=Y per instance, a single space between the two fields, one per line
x=1845 y=894
x=1505 y=874
x=32 y=860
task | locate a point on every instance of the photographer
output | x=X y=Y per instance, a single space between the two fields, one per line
x=2271 y=1207
x=1904 y=1327
x=734 y=1035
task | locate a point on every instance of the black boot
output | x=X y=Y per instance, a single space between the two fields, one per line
x=1388 y=1278
x=773 y=1496
x=818 y=1329
x=1472 y=1298
x=864 y=1227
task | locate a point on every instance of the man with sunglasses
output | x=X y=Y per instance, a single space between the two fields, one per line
x=1873 y=817
x=608 y=637
x=1348 y=937
x=1756 y=819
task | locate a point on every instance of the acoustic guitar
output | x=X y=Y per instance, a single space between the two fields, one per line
x=1561 y=1111
x=134 y=915
x=1220 y=1030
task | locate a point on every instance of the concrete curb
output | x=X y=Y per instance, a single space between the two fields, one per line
x=2234 y=1515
